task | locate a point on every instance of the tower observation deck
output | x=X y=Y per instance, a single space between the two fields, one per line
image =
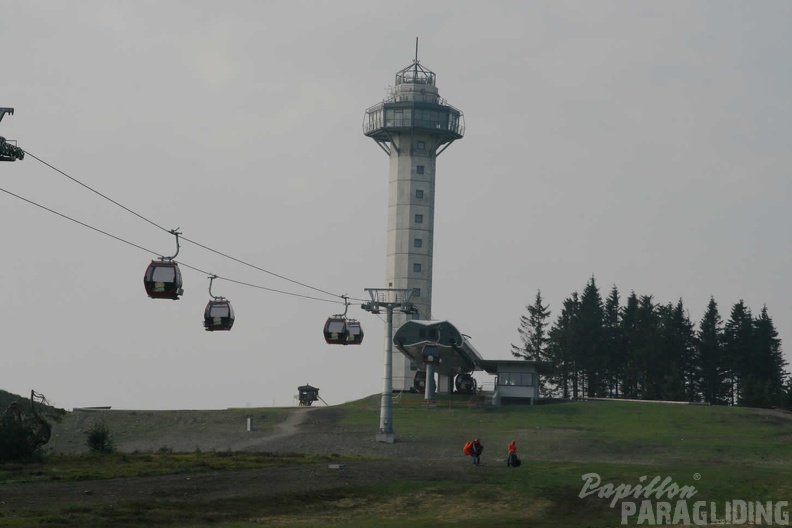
x=413 y=126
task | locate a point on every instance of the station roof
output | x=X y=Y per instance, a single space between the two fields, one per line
x=493 y=366
x=457 y=353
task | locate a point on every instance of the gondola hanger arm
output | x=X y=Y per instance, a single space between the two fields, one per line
x=176 y=233
x=346 y=303
x=215 y=297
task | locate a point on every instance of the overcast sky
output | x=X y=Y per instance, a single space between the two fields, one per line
x=644 y=143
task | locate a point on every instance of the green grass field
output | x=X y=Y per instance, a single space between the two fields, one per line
x=724 y=453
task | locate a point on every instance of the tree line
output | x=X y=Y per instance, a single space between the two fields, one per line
x=643 y=349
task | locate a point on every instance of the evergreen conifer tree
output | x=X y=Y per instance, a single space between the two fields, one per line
x=648 y=351
x=613 y=343
x=561 y=348
x=590 y=351
x=679 y=344
x=737 y=349
x=713 y=386
x=629 y=335
x=764 y=382
x=533 y=332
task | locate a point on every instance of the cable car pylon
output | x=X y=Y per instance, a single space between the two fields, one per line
x=163 y=278
x=219 y=314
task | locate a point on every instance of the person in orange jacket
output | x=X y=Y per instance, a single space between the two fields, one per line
x=510 y=460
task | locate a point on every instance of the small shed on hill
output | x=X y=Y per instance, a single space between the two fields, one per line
x=307 y=395
x=516 y=380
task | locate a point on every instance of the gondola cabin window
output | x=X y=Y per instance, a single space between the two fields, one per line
x=163 y=274
x=336 y=327
x=220 y=310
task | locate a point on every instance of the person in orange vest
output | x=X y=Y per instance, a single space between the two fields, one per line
x=512 y=458
x=474 y=449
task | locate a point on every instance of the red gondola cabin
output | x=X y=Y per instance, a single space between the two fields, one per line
x=335 y=331
x=219 y=315
x=163 y=280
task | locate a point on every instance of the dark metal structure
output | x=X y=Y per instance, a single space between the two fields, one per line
x=390 y=299
x=457 y=352
x=9 y=152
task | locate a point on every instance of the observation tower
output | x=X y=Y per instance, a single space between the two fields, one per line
x=413 y=126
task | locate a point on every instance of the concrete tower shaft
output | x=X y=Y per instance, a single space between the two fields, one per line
x=413 y=126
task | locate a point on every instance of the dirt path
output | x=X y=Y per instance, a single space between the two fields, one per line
x=287 y=428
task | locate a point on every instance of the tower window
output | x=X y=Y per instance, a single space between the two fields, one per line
x=419 y=169
x=419 y=193
x=421 y=145
x=416 y=267
x=416 y=292
x=419 y=219
x=418 y=242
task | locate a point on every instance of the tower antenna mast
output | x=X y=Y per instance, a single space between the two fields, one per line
x=416 y=58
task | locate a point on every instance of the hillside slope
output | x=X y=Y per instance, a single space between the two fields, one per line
x=624 y=432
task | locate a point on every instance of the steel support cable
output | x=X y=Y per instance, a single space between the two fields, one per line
x=77 y=221
x=259 y=269
x=155 y=253
x=277 y=291
x=75 y=180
